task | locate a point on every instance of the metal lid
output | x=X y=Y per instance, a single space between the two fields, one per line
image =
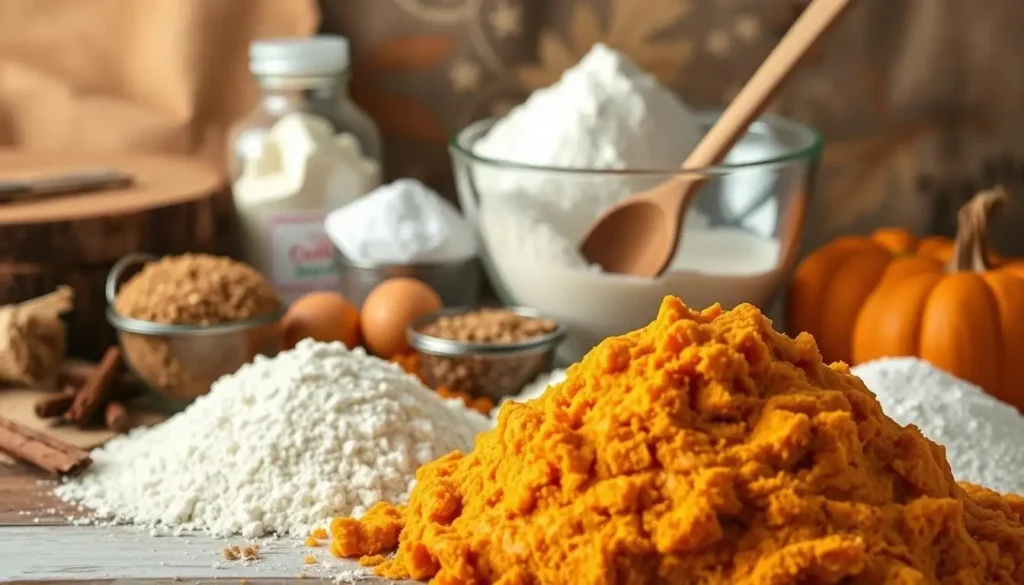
x=314 y=56
x=439 y=346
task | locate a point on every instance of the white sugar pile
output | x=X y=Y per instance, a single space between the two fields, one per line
x=282 y=445
x=983 y=437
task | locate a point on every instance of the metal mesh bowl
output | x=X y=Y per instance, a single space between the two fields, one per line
x=179 y=363
x=457 y=282
x=492 y=370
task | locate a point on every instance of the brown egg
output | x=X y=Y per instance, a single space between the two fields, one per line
x=324 y=316
x=389 y=309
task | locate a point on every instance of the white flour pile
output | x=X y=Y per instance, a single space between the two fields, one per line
x=280 y=446
x=984 y=438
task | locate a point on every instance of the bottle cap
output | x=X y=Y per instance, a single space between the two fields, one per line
x=319 y=55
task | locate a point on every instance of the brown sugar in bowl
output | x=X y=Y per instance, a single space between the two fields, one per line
x=179 y=361
x=488 y=352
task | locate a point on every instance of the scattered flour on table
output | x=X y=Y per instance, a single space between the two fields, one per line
x=984 y=438
x=281 y=445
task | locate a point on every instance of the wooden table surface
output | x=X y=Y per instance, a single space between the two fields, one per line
x=39 y=544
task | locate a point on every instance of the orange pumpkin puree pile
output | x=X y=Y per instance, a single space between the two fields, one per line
x=704 y=448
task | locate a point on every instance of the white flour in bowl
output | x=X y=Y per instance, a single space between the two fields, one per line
x=605 y=113
x=983 y=437
x=281 y=445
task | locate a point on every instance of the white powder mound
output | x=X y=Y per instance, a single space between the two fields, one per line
x=604 y=113
x=281 y=446
x=536 y=388
x=983 y=437
x=605 y=103
x=532 y=390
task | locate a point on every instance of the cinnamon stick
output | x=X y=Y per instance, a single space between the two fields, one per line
x=56 y=404
x=41 y=450
x=116 y=417
x=126 y=386
x=74 y=374
x=96 y=391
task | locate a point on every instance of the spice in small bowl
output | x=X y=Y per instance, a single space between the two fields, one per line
x=184 y=321
x=488 y=352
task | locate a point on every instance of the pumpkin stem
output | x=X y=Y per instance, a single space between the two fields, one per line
x=970 y=249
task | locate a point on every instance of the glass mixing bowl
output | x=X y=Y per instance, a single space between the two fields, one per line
x=740 y=241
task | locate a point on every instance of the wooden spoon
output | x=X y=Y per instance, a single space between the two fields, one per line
x=639 y=234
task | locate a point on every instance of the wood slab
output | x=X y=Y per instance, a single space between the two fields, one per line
x=160 y=181
x=75 y=239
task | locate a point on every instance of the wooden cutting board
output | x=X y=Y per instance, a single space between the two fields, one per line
x=75 y=239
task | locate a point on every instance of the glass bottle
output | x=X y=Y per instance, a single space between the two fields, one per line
x=303 y=151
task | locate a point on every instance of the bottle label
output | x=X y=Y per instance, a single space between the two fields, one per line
x=301 y=255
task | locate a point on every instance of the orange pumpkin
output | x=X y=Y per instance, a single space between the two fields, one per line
x=964 y=314
x=831 y=284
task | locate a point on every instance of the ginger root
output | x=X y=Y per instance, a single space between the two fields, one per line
x=33 y=339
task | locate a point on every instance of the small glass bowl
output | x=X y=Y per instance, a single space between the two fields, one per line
x=491 y=370
x=766 y=192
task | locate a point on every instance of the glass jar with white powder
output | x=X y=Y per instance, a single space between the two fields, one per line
x=303 y=151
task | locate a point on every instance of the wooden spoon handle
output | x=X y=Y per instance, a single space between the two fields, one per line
x=752 y=99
